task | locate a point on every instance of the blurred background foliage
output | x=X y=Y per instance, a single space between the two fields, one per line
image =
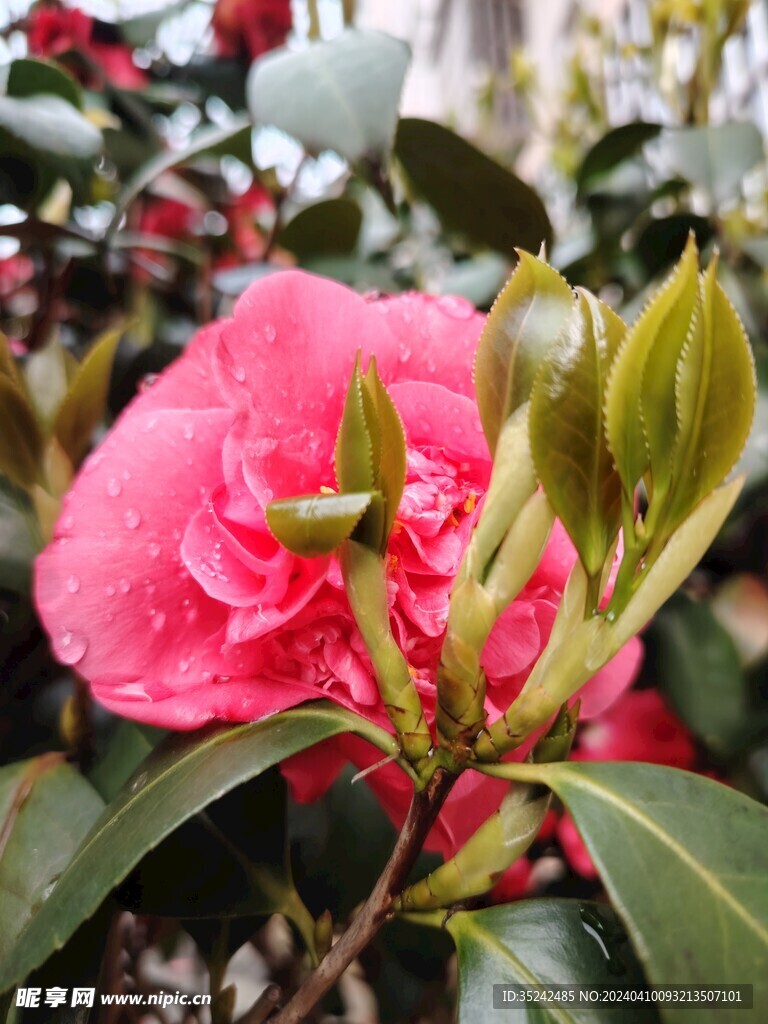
x=155 y=164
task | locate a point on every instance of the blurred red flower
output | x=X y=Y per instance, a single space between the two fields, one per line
x=250 y=27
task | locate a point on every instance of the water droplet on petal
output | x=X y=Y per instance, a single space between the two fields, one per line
x=270 y=332
x=125 y=586
x=110 y=590
x=183 y=665
x=73 y=584
x=158 y=620
x=132 y=518
x=188 y=430
x=71 y=647
x=238 y=372
x=153 y=549
x=114 y=487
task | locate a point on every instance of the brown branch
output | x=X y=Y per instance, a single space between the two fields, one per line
x=422 y=813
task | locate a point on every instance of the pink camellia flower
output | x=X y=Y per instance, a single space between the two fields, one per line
x=164 y=587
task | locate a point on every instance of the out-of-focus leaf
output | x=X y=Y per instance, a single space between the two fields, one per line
x=180 y=778
x=19 y=538
x=83 y=406
x=51 y=125
x=663 y=239
x=341 y=94
x=740 y=605
x=48 y=373
x=714 y=157
x=234 y=856
x=524 y=322
x=548 y=942
x=566 y=430
x=331 y=226
x=705 y=915
x=697 y=666
x=233 y=137
x=30 y=77
x=8 y=367
x=317 y=523
x=234 y=280
x=46 y=809
x=21 y=443
x=478 y=279
x=470 y=192
x=613 y=148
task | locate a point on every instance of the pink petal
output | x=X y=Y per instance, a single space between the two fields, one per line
x=574 y=849
x=188 y=383
x=436 y=338
x=112 y=590
x=514 y=642
x=607 y=685
x=435 y=416
x=284 y=363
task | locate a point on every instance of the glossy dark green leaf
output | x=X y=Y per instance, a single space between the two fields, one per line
x=567 y=431
x=470 y=192
x=613 y=148
x=21 y=442
x=83 y=406
x=698 y=667
x=547 y=942
x=316 y=524
x=20 y=538
x=685 y=862
x=523 y=324
x=664 y=324
x=131 y=743
x=50 y=124
x=46 y=809
x=660 y=243
x=30 y=77
x=341 y=94
x=180 y=778
x=713 y=157
x=328 y=227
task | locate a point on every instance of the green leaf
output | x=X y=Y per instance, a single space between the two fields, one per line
x=316 y=524
x=522 y=326
x=180 y=778
x=567 y=433
x=713 y=157
x=329 y=227
x=549 y=942
x=470 y=192
x=21 y=443
x=50 y=125
x=128 y=747
x=342 y=94
x=664 y=325
x=19 y=538
x=715 y=398
x=28 y=77
x=356 y=456
x=392 y=459
x=46 y=809
x=83 y=406
x=48 y=372
x=697 y=666
x=685 y=862
x=616 y=146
